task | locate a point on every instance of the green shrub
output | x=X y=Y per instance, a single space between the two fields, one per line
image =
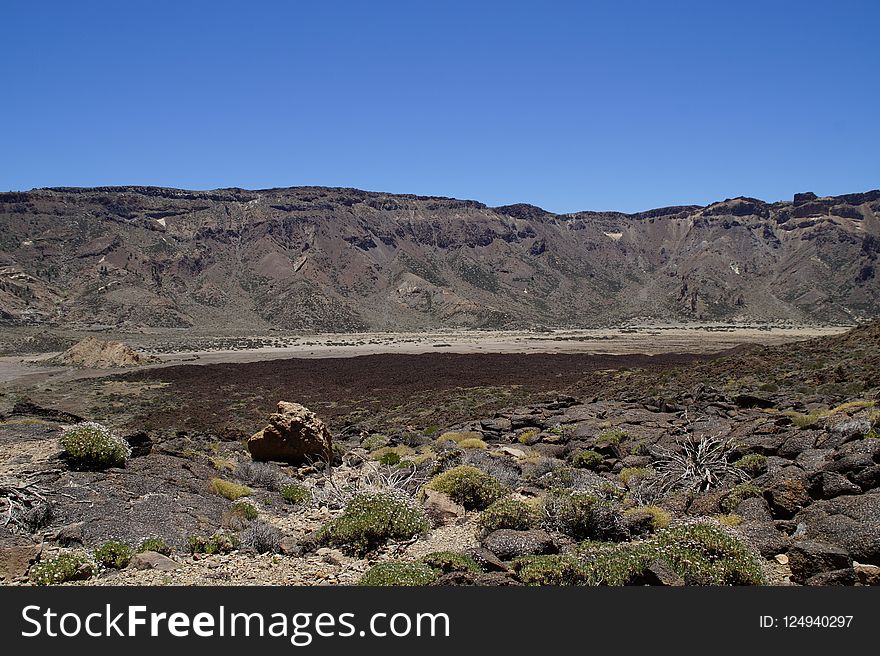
x=583 y=516
x=91 y=445
x=753 y=464
x=244 y=510
x=370 y=520
x=587 y=459
x=730 y=519
x=398 y=574
x=472 y=443
x=155 y=544
x=614 y=436
x=469 y=486
x=739 y=494
x=113 y=555
x=375 y=441
x=389 y=458
x=702 y=554
x=460 y=436
x=628 y=474
x=554 y=570
x=296 y=493
x=659 y=518
x=218 y=543
x=231 y=491
x=528 y=436
x=62 y=568
x=507 y=513
x=450 y=561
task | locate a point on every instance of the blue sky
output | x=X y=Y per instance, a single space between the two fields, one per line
x=567 y=105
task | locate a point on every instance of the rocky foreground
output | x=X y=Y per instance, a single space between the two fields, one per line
x=705 y=484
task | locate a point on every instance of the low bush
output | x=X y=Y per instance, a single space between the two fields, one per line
x=472 y=488
x=389 y=458
x=113 y=555
x=460 y=436
x=218 y=543
x=398 y=574
x=507 y=513
x=91 y=445
x=450 y=561
x=553 y=570
x=261 y=474
x=630 y=475
x=262 y=537
x=587 y=459
x=370 y=520
x=296 y=493
x=244 y=510
x=583 y=516
x=613 y=436
x=739 y=494
x=654 y=516
x=753 y=464
x=375 y=441
x=62 y=568
x=228 y=489
x=701 y=554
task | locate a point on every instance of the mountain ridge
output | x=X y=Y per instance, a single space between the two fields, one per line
x=341 y=259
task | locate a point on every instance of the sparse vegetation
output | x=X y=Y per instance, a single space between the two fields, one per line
x=218 y=543
x=296 y=493
x=450 y=561
x=654 y=516
x=587 y=459
x=91 y=445
x=469 y=486
x=753 y=464
x=739 y=494
x=389 y=458
x=507 y=513
x=61 y=569
x=113 y=555
x=228 y=489
x=370 y=520
x=244 y=510
x=398 y=574
x=583 y=516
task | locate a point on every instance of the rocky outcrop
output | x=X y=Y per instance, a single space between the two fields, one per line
x=96 y=353
x=294 y=435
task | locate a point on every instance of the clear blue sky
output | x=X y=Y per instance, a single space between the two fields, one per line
x=567 y=105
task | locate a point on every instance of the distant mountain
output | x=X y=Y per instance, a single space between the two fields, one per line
x=322 y=259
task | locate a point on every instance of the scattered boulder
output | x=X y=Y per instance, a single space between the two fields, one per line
x=867 y=574
x=787 y=497
x=70 y=535
x=294 y=435
x=807 y=558
x=851 y=521
x=440 y=508
x=140 y=444
x=829 y=484
x=16 y=559
x=660 y=572
x=487 y=560
x=508 y=544
x=152 y=560
x=836 y=577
